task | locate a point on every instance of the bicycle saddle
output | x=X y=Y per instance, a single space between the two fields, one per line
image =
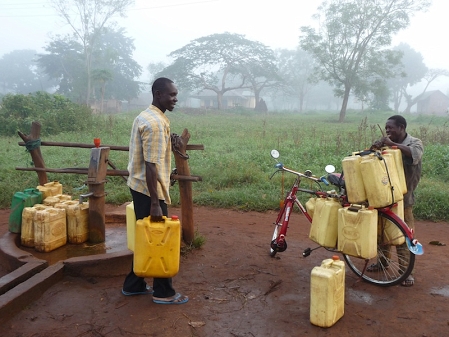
x=336 y=179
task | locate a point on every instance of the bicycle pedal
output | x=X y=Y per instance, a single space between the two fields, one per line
x=306 y=252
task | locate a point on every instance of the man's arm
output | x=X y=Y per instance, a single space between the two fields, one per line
x=405 y=149
x=151 y=179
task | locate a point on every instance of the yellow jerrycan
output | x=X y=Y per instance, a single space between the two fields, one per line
x=397 y=155
x=310 y=206
x=381 y=181
x=50 y=229
x=357 y=231
x=327 y=292
x=324 y=228
x=27 y=233
x=50 y=189
x=130 y=225
x=355 y=188
x=387 y=231
x=157 y=247
x=77 y=215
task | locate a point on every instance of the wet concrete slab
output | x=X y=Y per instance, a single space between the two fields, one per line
x=115 y=241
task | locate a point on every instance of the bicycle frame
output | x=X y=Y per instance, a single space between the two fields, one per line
x=287 y=208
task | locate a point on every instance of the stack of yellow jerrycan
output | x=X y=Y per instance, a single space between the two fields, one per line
x=157 y=247
x=389 y=233
x=357 y=231
x=77 y=217
x=376 y=178
x=324 y=228
x=327 y=292
x=50 y=229
x=27 y=233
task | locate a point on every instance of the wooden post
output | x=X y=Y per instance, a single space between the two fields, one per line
x=36 y=154
x=185 y=186
x=96 y=177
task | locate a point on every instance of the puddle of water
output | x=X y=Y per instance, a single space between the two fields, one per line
x=440 y=291
x=115 y=241
x=359 y=296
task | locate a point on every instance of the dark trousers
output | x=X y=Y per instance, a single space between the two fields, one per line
x=162 y=286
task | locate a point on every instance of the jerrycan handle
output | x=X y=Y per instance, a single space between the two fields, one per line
x=158 y=219
x=329 y=262
x=355 y=208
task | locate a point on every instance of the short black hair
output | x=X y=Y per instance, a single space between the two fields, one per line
x=399 y=120
x=160 y=84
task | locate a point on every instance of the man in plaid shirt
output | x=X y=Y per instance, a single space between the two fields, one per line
x=149 y=170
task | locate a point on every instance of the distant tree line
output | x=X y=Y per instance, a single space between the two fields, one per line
x=347 y=55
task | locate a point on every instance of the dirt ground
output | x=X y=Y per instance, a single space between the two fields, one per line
x=236 y=289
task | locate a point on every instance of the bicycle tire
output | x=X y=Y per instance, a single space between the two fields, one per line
x=391 y=260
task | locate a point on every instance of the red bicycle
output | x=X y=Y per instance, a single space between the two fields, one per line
x=390 y=267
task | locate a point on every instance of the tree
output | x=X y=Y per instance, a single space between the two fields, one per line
x=154 y=69
x=352 y=35
x=113 y=53
x=260 y=72
x=101 y=76
x=410 y=71
x=112 y=63
x=222 y=62
x=296 y=70
x=64 y=63
x=21 y=74
x=87 y=18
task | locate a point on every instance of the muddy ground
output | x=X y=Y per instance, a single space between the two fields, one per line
x=236 y=289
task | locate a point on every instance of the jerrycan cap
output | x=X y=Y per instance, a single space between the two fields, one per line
x=175 y=217
x=335 y=258
x=394 y=147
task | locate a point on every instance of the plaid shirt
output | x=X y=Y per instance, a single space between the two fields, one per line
x=150 y=142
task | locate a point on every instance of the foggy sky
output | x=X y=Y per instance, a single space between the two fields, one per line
x=159 y=28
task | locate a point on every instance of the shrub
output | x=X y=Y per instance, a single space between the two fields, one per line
x=55 y=112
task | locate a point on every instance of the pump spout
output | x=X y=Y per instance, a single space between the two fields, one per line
x=84 y=196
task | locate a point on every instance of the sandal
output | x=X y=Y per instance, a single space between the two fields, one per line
x=375 y=267
x=408 y=282
x=176 y=299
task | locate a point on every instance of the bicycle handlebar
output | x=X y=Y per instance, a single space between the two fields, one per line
x=281 y=167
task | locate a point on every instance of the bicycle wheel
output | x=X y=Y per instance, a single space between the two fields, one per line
x=274 y=248
x=394 y=261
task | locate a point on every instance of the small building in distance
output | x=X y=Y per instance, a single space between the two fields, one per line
x=432 y=103
x=235 y=98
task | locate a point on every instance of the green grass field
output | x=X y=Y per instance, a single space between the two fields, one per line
x=236 y=164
